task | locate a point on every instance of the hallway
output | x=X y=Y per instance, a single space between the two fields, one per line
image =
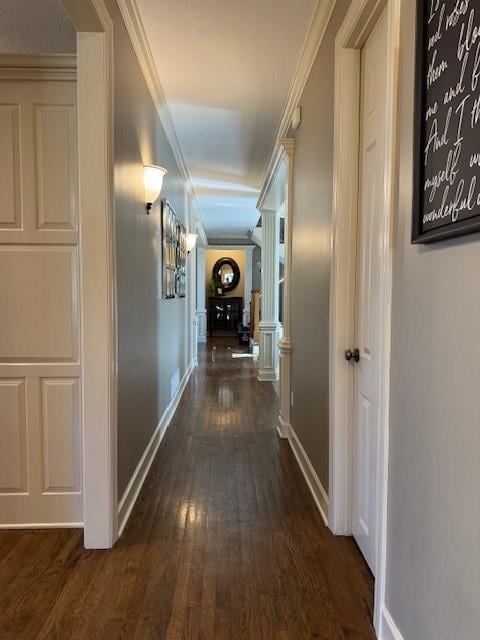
x=225 y=541
x=278 y=173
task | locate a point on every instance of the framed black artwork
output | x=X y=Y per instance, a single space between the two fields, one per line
x=447 y=120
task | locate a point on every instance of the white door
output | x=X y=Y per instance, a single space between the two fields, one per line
x=40 y=426
x=369 y=306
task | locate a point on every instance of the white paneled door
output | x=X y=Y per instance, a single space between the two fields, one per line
x=369 y=308
x=40 y=425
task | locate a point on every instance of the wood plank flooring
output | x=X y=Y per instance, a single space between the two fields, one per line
x=225 y=542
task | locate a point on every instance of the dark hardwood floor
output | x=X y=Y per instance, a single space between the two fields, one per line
x=225 y=542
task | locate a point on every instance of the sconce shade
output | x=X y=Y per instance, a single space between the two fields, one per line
x=152 y=180
x=191 y=241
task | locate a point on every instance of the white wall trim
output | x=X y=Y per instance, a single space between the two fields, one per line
x=44 y=525
x=273 y=167
x=268 y=365
x=311 y=478
x=268 y=370
x=201 y=316
x=98 y=273
x=38 y=67
x=314 y=38
x=388 y=628
x=138 y=37
x=283 y=428
x=355 y=29
x=285 y=342
x=269 y=376
x=137 y=480
x=200 y=311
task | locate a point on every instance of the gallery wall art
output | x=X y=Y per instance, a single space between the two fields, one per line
x=174 y=254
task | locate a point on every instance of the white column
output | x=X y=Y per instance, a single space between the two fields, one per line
x=193 y=304
x=285 y=343
x=268 y=327
x=201 y=311
x=191 y=289
x=247 y=285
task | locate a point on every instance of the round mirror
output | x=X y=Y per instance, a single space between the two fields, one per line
x=226 y=274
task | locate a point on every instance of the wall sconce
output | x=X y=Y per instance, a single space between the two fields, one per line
x=152 y=180
x=191 y=241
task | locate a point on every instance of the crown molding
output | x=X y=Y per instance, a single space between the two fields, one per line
x=138 y=37
x=315 y=34
x=273 y=165
x=284 y=149
x=38 y=67
x=313 y=40
x=288 y=146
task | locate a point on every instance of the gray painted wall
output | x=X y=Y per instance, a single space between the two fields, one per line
x=35 y=26
x=433 y=572
x=151 y=331
x=312 y=206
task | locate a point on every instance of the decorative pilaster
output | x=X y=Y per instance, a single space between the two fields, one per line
x=285 y=343
x=247 y=285
x=268 y=327
x=195 y=339
x=193 y=304
x=201 y=311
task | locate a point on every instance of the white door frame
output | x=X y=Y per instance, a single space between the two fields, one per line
x=98 y=280
x=355 y=29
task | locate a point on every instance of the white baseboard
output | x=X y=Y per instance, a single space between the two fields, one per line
x=316 y=488
x=267 y=375
x=135 y=485
x=283 y=428
x=280 y=432
x=388 y=628
x=44 y=525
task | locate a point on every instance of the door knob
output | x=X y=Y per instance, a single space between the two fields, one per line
x=352 y=355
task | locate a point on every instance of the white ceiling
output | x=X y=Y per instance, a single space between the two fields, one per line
x=226 y=68
x=35 y=26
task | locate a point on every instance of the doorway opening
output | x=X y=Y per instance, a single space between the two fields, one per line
x=364 y=151
x=228 y=286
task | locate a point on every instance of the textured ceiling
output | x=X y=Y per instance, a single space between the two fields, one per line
x=226 y=67
x=35 y=26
